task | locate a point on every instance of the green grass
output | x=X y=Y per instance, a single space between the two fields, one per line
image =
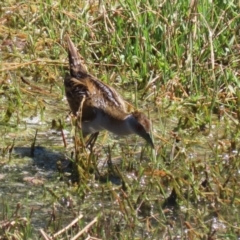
x=176 y=61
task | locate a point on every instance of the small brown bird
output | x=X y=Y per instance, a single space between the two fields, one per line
x=98 y=106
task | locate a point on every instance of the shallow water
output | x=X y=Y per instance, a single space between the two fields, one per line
x=33 y=179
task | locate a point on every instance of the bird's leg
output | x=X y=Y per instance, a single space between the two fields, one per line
x=91 y=141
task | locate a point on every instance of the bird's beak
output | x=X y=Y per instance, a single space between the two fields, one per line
x=149 y=140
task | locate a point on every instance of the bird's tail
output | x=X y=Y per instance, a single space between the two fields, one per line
x=77 y=68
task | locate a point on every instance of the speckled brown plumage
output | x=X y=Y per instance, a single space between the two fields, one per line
x=102 y=108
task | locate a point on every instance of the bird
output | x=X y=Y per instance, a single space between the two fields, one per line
x=97 y=106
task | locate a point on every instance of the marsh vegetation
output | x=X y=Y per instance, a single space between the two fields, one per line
x=177 y=61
